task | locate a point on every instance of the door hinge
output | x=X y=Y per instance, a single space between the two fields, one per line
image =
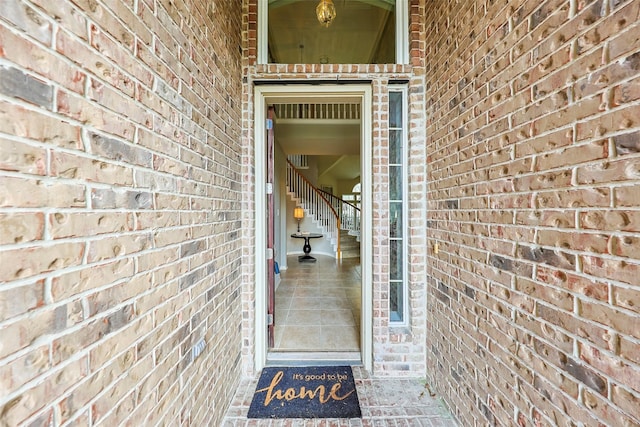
x=269 y=319
x=269 y=124
x=269 y=188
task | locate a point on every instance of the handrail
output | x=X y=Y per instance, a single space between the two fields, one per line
x=314 y=202
x=331 y=196
x=349 y=213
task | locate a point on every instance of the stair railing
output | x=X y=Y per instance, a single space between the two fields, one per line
x=348 y=212
x=315 y=204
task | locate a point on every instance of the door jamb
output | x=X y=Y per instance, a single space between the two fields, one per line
x=265 y=94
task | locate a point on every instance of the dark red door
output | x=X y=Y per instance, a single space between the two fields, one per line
x=271 y=278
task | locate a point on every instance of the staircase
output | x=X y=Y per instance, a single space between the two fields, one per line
x=339 y=220
x=349 y=246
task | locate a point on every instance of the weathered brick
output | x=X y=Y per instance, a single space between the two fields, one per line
x=118 y=246
x=611 y=366
x=21 y=227
x=30 y=261
x=578 y=154
x=591 y=197
x=611 y=220
x=626 y=92
x=95 y=276
x=609 y=414
x=18 y=121
x=554 y=258
x=25 y=368
x=628 y=298
x=21 y=333
x=629 y=402
x=612 y=317
x=17 y=84
x=547 y=218
x=42 y=193
x=19 y=157
x=607 y=123
x=135 y=124
x=114 y=149
x=600 y=336
x=614 y=171
x=611 y=269
x=36 y=396
x=111 y=199
x=66 y=15
x=86 y=169
x=566 y=101
x=86 y=57
x=14 y=301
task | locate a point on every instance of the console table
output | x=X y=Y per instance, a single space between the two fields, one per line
x=307 y=247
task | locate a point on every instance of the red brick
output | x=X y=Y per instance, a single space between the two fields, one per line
x=627 y=196
x=589 y=197
x=613 y=318
x=610 y=220
x=547 y=218
x=573 y=325
x=628 y=298
x=626 y=400
x=626 y=92
x=610 y=365
x=620 y=170
x=87 y=58
x=611 y=269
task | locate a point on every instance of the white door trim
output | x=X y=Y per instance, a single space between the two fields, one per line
x=268 y=94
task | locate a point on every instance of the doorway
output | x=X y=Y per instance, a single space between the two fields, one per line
x=296 y=303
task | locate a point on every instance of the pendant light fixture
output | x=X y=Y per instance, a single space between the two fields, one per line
x=326 y=12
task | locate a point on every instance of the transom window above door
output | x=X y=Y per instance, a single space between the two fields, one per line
x=333 y=31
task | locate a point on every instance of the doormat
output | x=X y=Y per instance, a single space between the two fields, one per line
x=305 y=392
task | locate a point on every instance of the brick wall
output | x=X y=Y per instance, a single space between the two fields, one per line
x=120 y=211
x=533 y=138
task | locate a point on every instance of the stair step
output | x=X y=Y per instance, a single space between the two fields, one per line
x=351 y=254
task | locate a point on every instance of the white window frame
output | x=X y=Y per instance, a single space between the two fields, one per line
x=405 y=208
x=402 y=37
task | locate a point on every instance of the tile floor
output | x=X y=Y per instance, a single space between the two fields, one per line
x=318 y=306
x=318 y=309
x=383 y=402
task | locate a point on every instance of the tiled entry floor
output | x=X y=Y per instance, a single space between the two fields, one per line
x=383 y=401
x=318 y=306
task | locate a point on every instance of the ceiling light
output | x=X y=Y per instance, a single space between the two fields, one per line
x=326 y=12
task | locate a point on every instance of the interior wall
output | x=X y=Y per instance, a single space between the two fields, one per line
x=280 y=202
x=120 y=211
x=307 y=225
x=533 y=138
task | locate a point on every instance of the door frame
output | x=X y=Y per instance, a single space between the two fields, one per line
x=263 y=96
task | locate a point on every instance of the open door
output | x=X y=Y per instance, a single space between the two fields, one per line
x=265 y=226
x=271 y=277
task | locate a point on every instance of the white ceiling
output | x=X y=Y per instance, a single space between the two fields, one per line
x=318 y=137
x=334 y=142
